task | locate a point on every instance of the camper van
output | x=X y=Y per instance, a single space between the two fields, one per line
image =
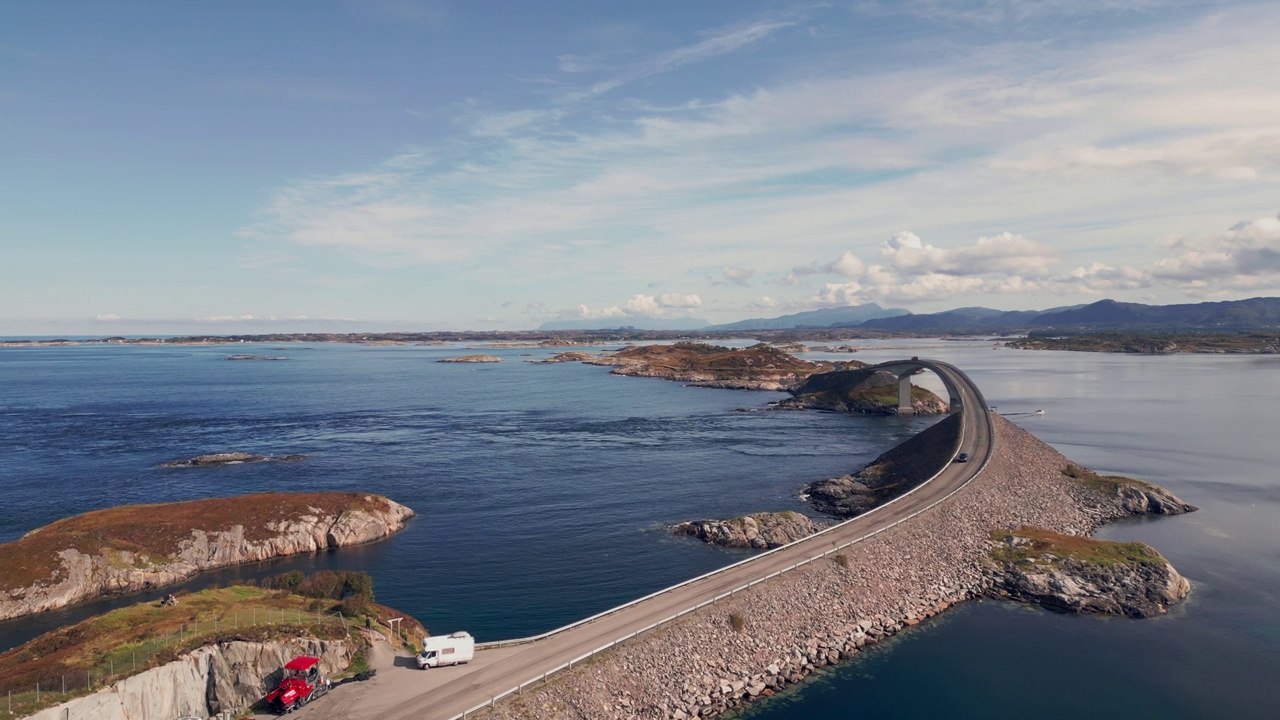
x=457 y=648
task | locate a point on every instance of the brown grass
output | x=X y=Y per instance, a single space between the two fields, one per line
x=156 y=530
x=1049 y=547
x=129 y=640
x=746 y=363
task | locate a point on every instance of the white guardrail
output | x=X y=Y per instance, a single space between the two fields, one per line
x=609 y=646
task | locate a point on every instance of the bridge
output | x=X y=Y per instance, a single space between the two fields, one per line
x=502 y=668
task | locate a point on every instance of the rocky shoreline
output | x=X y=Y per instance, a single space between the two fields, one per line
x=131 y=548
x=230 y=458
x=777 y=633
x=759 y=531
x=472 y=359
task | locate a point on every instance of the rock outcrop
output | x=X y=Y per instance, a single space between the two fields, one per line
x=859 y=390
x=890 y=475
x=229 y=676
x=760 y=531
x=563 y=357
x=136 y=547
x=230 y=458
x=472 y=359
x=759 y=367
x=1082 y=575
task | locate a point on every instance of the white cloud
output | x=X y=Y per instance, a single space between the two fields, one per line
x=1006 y=254
x=107 y=317
x=1103 y=278
x=676 y=300
x=1245 y=257
x=765 y=302
x=839 y=294
x=736 y=275
x=1094 y=144
x=666 y=305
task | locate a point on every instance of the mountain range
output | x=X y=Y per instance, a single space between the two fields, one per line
x=1251 y=314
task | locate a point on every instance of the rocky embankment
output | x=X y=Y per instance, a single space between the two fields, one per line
x=760 y=531
x=229 y=676
x=230 y=458
x=136 y=547
x=895 y=472
x=472 y=359
x=778 y=632
x=859 y=390
x=759 y=367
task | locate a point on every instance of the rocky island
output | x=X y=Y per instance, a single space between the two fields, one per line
x=230 y=458
x=134 y=547
x=857 y=389
x=760 y=531
x=472 y=359
x=759 y=367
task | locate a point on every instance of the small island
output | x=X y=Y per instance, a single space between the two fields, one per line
x=229 y=458
x=135 y=547
x=759 y=531
x=472 y=359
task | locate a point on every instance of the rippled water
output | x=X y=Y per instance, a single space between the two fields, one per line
x=542 y=493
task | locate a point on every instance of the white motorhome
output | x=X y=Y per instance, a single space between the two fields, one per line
x=457 y=648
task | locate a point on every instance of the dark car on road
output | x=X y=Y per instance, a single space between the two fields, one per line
x=962 y=457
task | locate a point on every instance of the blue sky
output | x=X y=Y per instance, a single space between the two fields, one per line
x=429 y=164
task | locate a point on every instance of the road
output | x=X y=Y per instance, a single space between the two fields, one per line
x=445 y=693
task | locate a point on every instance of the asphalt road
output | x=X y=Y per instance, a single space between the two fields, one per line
x=444 y=693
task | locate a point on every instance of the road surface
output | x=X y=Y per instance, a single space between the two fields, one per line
x=402 y=692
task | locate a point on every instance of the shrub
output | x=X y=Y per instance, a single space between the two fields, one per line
x=842 y=560
x=737 y=622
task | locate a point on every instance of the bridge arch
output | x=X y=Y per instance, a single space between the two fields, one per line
x=950 y=375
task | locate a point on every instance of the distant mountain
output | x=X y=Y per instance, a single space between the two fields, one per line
x=1110 y=314
x=634 y=323
x=968 y=318
x=826 y=317
x=1102 y=315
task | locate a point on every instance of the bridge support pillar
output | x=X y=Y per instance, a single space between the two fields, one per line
x=904 y=396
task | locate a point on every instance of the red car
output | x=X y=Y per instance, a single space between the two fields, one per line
x=301 y=684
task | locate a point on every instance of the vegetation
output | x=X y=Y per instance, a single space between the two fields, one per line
x=737 y=622
x=1150 y=343
x=1047 y=548
x=353 y=589
x=1108 y=484
x=842 y=560
x=142 y=536
x=759 y=361
x=77 y=659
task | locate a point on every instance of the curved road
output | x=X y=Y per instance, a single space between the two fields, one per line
x=445 y=693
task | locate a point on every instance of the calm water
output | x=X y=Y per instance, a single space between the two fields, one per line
x=542 y=493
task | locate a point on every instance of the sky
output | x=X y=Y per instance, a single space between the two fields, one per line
x=439 y=164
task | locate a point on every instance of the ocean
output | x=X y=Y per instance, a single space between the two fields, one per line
x=544 y=494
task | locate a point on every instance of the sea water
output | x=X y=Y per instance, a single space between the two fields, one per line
x=544 y=494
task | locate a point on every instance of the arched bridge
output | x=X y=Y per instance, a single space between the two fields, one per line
x=958 y=385
x=502 y=668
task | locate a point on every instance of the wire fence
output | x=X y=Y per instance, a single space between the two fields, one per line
x=49 y=688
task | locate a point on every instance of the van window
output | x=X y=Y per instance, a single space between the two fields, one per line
x=447 y=651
